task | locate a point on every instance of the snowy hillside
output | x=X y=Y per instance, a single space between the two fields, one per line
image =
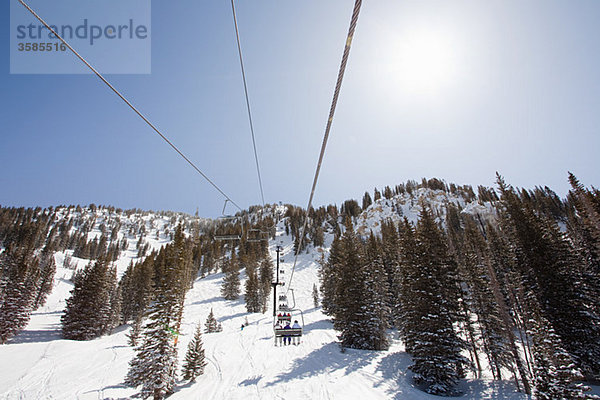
x=242 y=364
x=409 y=205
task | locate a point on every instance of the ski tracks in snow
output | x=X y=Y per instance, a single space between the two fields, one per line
x=107 y=374
x=236 y=379
x=212 y=358
x=23 y=385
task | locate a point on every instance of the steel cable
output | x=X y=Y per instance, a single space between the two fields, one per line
x=128 y=103
x=336 y=94
x=239 y=46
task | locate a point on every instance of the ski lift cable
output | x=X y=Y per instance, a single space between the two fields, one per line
x=127 y=102
x=239 y=46
x=336 y=94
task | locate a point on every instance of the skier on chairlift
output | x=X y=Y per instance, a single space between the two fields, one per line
x=286 y=338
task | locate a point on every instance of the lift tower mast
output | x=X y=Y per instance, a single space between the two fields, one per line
x=276 y=283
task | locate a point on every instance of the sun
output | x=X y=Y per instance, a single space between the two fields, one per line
x=424 y=62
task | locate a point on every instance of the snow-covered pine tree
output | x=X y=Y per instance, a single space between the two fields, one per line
x=156 y=356
x=501 y=269
x=88 y=312
x=492 y=336
x=265 y=281
x=556 y=376
x=252 y=290
x=207 y=262
x=136 y=289
x=583 y=226
x=587 y=205
x=115 y=297
x=46 y=281
x=231 y=281
x=154 y=366
x=551 y=271
x=407 y=298
x=390 y=258
x=315 y=295
x=330 y=278
x=21 y=274
x=194 y=358
x=494 y=329
x=435 y=347
x=376 y=310
x=358 y=290
x=348 y=316
x=467 y=323
x=211 y=323
x=134 y=334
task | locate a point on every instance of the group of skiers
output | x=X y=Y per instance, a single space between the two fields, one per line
x=286 y=338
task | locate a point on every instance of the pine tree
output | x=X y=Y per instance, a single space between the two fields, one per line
x=354 y=293
x=434 y=345
x=330 y=278
x=115 y=297
x=194 y=358
x=231 y=281
x=266 y=279
x=348 y=289
x=315 y=295
x=388 y=250
x=480 y=300
x=156 y=358
x=556 y=376
x=551 y=273
x=211 y=323
x=375 y=307
x=154 y=366
x=583 y=226
x=46 y=281
x=318 y=236
x=136 y=289
x=366 y=201
x=407 y=297
x=507 y=293
x=21 y=274
x=376 y=195
x=134 y=334
x=88 y=313
x=252 y=292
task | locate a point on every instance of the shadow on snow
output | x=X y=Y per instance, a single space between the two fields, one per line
x=326 y=359
x=37 y=336
x=322 y=324
x=251 y=381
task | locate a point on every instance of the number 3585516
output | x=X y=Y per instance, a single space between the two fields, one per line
x=41 y=47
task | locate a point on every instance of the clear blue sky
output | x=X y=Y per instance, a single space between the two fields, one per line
x=455 y=90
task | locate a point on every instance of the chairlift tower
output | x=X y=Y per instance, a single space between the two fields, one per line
x=276 y=283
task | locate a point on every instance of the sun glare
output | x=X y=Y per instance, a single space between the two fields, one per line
x=424 y=62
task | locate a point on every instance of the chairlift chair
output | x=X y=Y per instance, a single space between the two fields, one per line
x=228 y=236
x=256 y=235
x=286 y=316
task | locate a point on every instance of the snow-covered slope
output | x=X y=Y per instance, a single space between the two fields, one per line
x=242 y=364
x=409 y=205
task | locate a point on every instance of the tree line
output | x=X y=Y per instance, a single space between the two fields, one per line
x=519 y=291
